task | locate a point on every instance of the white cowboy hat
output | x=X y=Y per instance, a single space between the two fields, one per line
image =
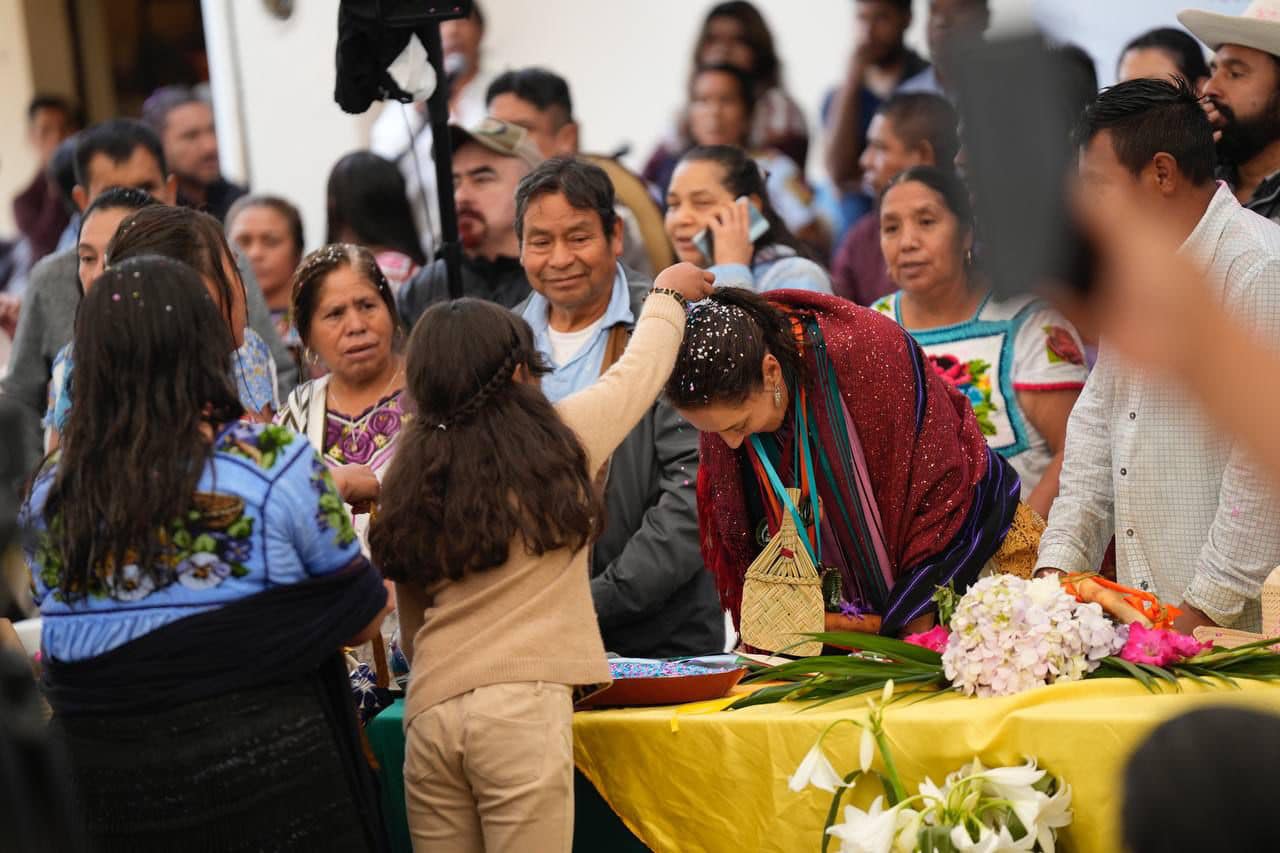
x=1257 y=27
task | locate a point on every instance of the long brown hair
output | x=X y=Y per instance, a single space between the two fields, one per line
x=150 y=373
x=185 y=235
x=485 y=460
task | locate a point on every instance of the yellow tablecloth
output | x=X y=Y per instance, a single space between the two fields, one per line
x=699 y=779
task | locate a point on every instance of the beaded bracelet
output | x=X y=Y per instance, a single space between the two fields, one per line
x=674 y=294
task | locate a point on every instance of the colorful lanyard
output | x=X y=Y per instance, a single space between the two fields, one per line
x=809 y=533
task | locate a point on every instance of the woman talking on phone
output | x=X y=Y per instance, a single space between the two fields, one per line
x=719 y=217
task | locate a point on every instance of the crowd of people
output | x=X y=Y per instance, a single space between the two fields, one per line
x=237 y=445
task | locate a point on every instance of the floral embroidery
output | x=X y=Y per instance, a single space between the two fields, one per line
x=1061 y=347
x=330 y=513
x=131 y=583
x=972 y=379
x=358 y=441
x=261 y=444
x=198 y=550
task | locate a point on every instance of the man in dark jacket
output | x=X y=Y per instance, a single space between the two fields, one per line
x=488 y=161
x=653 y=596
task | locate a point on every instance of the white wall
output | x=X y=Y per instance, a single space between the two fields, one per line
x=278 y=126
x=17 y=160
x=1103 y=27
x=35 y=57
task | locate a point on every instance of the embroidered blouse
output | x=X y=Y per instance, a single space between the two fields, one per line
x=1007 y=347
x=368 y=439
x=266 y=513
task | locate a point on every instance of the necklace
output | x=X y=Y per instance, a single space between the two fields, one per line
x=381 y=395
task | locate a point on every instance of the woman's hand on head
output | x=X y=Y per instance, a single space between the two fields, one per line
x=731 y=234
x=358 y=486
x=691 y=282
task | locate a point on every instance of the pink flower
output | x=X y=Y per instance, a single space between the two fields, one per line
x=952 y=370
x=1147 y=645
x=1184 y=645
x=1159 y=647
x=935 y=639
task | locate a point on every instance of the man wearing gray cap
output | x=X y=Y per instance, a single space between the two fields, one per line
x=1242 y=99
x=488 y=162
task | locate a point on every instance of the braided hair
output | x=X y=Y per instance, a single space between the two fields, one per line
x=486 y=459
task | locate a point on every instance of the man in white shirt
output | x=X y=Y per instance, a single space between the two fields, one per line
x=1193 y=520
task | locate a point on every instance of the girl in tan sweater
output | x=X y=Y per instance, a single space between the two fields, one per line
x=485 y=518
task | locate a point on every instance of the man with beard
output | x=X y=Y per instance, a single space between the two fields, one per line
x=184 y=122
x=1242 y=99
x=488 y=162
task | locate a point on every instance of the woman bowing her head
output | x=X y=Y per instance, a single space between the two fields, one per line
x=898 y=491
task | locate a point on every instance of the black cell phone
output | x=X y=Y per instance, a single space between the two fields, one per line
x=1018 y=123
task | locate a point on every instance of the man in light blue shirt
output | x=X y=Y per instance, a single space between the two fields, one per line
x=578 y=355
x=653 y=597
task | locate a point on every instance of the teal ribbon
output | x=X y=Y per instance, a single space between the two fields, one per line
x=803 y=453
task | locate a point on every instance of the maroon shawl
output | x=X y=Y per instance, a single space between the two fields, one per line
x=925 y=453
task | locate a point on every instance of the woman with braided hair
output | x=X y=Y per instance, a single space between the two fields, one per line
x=483 y=523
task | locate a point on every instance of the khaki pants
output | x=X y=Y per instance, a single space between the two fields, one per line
x=492 y=770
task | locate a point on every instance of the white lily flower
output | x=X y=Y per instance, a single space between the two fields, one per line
x=907 y=831
x=1014 y=784
x=887 y=693
x=986 y=842
x=867 y=832
x=1028 y=808
x=1022 y=776
x=866 y=750
x=932 y=793
x=989 y=841
x=815 y=770
x=1055 y=813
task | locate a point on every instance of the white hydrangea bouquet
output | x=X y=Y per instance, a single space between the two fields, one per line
x=1006 y=635
x=975 y=809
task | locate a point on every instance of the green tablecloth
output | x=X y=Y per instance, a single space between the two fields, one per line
x=596 y=827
